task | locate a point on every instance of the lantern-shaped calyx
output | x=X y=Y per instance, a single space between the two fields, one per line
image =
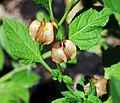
x=62 y=51
x=42 y=32
x=100 y=84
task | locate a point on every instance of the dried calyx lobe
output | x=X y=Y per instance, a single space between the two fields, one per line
x=43 y=33
x=100 y=84
x=62 y=51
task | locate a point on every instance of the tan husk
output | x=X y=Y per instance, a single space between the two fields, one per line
x=69 y=49
x=58 y=55
x=63 y=51
x=43 y=33
x=33 y=28
x=100 y=84
x=101 y=87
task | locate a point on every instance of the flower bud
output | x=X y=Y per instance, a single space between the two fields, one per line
x=62 y=51
x=42 y=32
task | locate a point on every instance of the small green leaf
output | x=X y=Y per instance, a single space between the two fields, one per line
x=2 y=59
x=25 y=78
x=85 y=30
x=69 y=96
x=81 y=82
x=63 y=65
x=60 y=100
x=69 y=100
x=93 y=99
x=54 y=78
x=20 y=43
x=92 y=88
x=44 y=3
x=55 y=73
x=114 y=5
x=113 y=71
x=109 y=100
x=13 y=93
x=40 y=15
x=60 y=78
x=68 y=79
x=73 y=61
x=79 y=94
x=117 y=17
x=60 y=33
x=114 y=90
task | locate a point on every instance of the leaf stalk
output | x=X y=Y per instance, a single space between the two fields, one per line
x=68 y=9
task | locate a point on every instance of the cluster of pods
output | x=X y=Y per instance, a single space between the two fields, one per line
x=44 y=33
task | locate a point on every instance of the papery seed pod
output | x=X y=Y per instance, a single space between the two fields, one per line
x=33 y=28
x=42 y=32
x=63 y=51
x=100 y=84
x=101 y=87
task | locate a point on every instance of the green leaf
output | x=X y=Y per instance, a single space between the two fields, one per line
x=73 y=61
x=13 y=93
x=68 y=94
x=117 y=17
x=44 y=3
x=60 y=33
x=113 y=71
x=114 y=90
x=6 y=98
x=60 y=78
x=40 y=15
x=92 y=88
x=79 y=94
x=93 y=99
x=97 y=48
x=63 y=65
x=85 y=30
x=81 y=82
x=2 y=59
x=70 y=98
x=68 y=79
x=60 y=100
x=20 y=43
x=4 y=43
x=55 y=73
x=25 y=78
x=114 y=5
x=109 y=100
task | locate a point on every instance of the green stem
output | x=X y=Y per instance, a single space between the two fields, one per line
x=10 y=74
x=66 y=12
x=46 y=65
x=46 y=55
x=7 y=76
x=59 y=68
x=51 y=11
x=69 y=88
x=67 y=85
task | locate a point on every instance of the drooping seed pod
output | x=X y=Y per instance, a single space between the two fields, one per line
x=62 y=51
x=101 y=87
x=43 y=33
x=100 y=84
